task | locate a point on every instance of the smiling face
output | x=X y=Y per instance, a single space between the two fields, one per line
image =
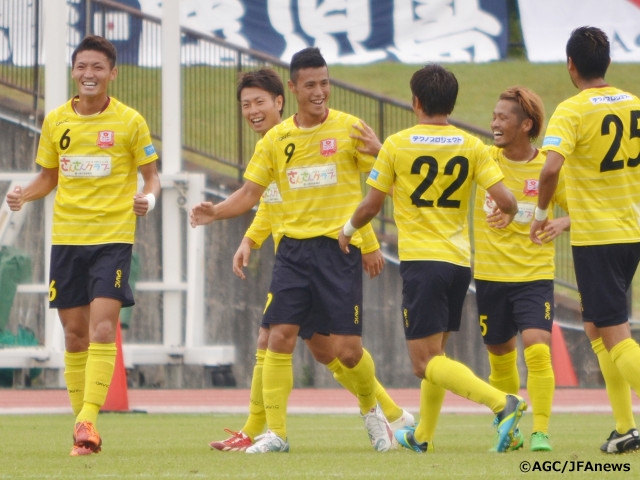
x=311 y=89
x=92 y=73
x=260 y=108
x=508 y=124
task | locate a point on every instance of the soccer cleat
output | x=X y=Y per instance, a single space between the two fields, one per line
x=622 y=442
x=406 y=438
x=517 y=442
x=540 y=442
x=380 y=433
x=268 y=442
x=86 y=439
x=237 y=442
x=507 y=421
x=405 y=420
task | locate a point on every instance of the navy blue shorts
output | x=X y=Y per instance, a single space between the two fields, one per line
x=316 y=286
x=604 y=274
x=433 y=295
x=81 y=273
x=506 y=308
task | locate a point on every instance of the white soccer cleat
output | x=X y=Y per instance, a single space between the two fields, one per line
x=380 y=433
x=269 y=442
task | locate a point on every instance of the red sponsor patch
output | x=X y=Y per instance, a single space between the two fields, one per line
x=105 y=138
x=531 y=187
x=328 y=147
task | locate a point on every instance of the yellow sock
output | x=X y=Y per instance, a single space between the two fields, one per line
x=431 y=398
x=257 y=419
x=618 y=389
x=459 y=379
x=74 y=368
x=390 y=409
x=362 y=377
x=277 y=382
x=336 y=367
x=626 y=356
x=101 y=362
x=540 y=384
x=504 y=372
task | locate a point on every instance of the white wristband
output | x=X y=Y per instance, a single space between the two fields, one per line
x=349 y=229
x=541 y=214
x=151 y=199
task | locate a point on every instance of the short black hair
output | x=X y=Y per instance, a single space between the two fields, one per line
x=436 y=88
x=266 y=79
x=589 y=49
x=98 y=44
x=307 y=58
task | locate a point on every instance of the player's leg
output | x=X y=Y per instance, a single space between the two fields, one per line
x=322 y=348
x=254 y=425
x=540 y=384
x=433 y=297
x=604 y=273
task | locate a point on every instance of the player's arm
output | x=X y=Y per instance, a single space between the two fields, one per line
x=239 y=202
x=547 y=185
x=372 y=259
x=39 y=187
x=256 y=234
x=506 y=205
x=368 y=208
x=145 y=201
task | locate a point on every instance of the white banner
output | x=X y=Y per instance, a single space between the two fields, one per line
x=547 y=24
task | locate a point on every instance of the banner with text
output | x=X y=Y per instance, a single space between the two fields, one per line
x=346 y=31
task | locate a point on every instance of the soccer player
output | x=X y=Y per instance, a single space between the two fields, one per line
x=261 y=96
x=316 y=165
x=514 y=277
x=91 y=149
x=431 y=168
x=594 y=137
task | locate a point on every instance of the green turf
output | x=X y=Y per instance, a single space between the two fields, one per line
x=147 y=446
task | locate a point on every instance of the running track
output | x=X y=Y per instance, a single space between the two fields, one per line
x=302 y=400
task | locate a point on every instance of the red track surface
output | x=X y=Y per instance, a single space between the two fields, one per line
x=302 y=400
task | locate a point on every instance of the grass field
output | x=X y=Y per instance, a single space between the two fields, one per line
x=144 y=446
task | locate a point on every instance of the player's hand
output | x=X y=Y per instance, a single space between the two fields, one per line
x=343 y=241
x=241 y=257
x=537 y=228
x=15 y=199
x=202 y=214
x=371 y=144
x=140 y=204
x=372 y=263
x=553 y=228
x=499 y=219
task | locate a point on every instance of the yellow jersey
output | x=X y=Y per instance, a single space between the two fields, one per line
x=432 y=169
x=597 y=132
x=97 y=157
x=508 y=254
x=317 y=171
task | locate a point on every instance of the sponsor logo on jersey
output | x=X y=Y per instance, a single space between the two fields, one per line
x=92 y=166
x=551 y=141
x=530 y=187
x=315 y=176
x=272 y=194
x=149 y=150
x=106 y=138
x=328 y=147
x=437 y=139
x=621 y=97
x=374 y=174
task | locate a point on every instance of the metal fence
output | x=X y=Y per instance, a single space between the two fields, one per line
x=216 y=140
